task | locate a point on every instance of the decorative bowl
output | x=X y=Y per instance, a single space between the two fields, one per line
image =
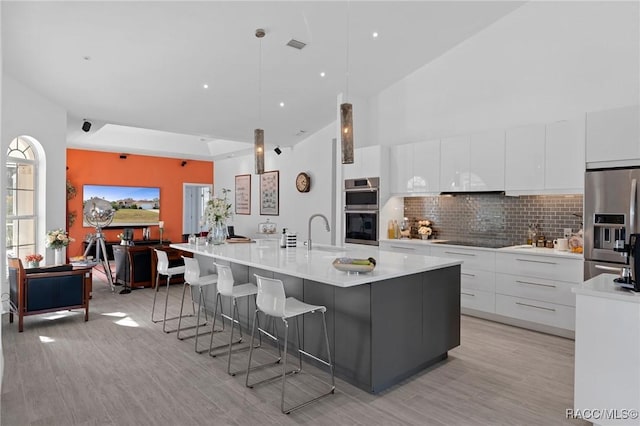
x=345 y=264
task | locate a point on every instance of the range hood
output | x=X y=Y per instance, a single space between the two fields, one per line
x=471 y=192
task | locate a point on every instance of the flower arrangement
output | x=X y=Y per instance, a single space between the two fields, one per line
x=424 y=229
x=58 y=238
x=218 y=209
x=120 y=236
x=33 y=258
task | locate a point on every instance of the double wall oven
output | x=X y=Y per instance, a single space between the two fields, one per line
x=361 y=209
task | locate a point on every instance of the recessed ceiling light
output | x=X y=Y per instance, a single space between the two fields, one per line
x=375 y=34
x=206 y=86
x=281 y=104
x=86 y=58
x=322 y=74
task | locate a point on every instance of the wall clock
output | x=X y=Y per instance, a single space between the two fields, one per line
x=303 y=182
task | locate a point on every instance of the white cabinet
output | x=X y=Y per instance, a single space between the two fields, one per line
x=524 y=158
x=404 y=246
x=564 y=156
x=401 y=168
x=415 y=168
x=426 y=166
x=477 y=276
x=537 y=288
x=369 y=161
x=486 y=161
x=613 y=135
x=454 y=164
x=472 y=163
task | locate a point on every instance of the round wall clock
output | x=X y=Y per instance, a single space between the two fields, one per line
x=303 y=182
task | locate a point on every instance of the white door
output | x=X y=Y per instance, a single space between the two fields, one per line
x=195 y=201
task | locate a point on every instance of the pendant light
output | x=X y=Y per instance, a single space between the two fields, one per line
x=346 y=114
x=258 y=134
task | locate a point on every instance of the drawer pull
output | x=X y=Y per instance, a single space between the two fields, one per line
x=468 y=275
x=537 y=261
x=462 y=254
x=468 y=294
x=534 y=306
x=538 y=284
x=403 y=248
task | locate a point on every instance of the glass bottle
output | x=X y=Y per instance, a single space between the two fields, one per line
x=390 y=230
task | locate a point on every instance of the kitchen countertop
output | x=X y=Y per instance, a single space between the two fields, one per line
x=519 y=249
x=316 y=264
x=602 y=286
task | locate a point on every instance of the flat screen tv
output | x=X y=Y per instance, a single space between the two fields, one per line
x=133 y=205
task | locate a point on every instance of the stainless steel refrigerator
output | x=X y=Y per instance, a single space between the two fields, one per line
x=610 y=216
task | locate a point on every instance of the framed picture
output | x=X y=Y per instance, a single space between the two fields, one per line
x=270 y=193
x=243 y=194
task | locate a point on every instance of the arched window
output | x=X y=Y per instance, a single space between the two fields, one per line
x=22 y=168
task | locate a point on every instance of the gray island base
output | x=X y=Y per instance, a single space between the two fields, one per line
x=381 y=332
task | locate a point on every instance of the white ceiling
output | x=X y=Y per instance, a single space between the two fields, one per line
x=143 y=64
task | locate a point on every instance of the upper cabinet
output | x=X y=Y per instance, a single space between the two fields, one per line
x=415 y=168
x=524 y=158
x=614 y=135
x=486 y=161
x=564 y=156
x=454 y=164
x=368 y=161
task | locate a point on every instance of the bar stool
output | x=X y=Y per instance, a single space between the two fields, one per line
x=226 y=288
x=271 y=301
x=192 y=278
x=164 y=269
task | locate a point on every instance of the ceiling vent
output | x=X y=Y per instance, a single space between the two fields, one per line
x=296 y=44
x=301 y=132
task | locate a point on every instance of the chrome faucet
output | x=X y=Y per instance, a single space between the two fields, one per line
x=326 y=222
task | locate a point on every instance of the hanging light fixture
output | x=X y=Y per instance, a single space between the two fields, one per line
x=346 y=114
x=258 y=134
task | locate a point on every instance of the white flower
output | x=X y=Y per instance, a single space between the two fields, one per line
x=58 y=238
x=218 y=210
x=425 y=230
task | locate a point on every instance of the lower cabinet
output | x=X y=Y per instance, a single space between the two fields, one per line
x=477 y=278
x=537 y=288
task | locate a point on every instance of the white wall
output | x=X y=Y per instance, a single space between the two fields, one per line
x=24 y=112
x=313 y=155
x=544 y=62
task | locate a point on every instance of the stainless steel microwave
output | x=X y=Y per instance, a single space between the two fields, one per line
x=361 y=194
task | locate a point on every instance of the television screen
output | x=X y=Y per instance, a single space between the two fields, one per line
x=133 y=205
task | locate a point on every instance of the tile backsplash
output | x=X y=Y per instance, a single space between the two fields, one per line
x=503 y=220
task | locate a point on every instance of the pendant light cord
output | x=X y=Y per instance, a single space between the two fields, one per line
x=260 y=85
x=348 y=32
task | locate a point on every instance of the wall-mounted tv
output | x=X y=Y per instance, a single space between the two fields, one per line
x=133 y=205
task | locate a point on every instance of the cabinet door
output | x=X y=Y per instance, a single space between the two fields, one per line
x=613 y=135
x=454 y=164
x=366 y=163
x=401 y=168
x=426 y=166
x=486 y=161
x=564 y=156
x=524 y=158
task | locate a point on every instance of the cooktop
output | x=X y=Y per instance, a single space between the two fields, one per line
x=484 y=244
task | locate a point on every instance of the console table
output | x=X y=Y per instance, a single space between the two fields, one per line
x=136 y=266
x=110 y=244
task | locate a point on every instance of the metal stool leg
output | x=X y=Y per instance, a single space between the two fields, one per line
x=155 y=294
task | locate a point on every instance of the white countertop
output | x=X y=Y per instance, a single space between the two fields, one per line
x=603 y=286
x=519 y=249
x=316 y=264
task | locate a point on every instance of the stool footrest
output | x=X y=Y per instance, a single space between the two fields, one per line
x=270 y=379
x=315 y=357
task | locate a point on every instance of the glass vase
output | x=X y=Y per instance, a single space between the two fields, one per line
x=33 y=264
x=218 y=233
x=59 y=256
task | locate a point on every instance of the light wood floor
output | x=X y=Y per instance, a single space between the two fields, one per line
x=121 y=369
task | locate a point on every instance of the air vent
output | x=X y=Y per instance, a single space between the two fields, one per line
x=301 y=132
x=296 y=44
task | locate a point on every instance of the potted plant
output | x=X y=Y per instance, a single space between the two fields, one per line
x=33 y=260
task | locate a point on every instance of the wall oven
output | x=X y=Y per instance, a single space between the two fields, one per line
x=361 y=210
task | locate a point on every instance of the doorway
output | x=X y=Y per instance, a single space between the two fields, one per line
x=195 y=198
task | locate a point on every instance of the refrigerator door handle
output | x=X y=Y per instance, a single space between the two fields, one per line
x=632 y=206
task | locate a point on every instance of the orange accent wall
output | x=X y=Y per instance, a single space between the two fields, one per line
x=107 y=168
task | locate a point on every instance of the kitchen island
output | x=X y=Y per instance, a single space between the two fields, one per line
x=384 y=326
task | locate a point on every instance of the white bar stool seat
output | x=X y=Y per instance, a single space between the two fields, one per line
x=271 y=300
x=227 y=288
x=193 y=279
x=163 y=268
